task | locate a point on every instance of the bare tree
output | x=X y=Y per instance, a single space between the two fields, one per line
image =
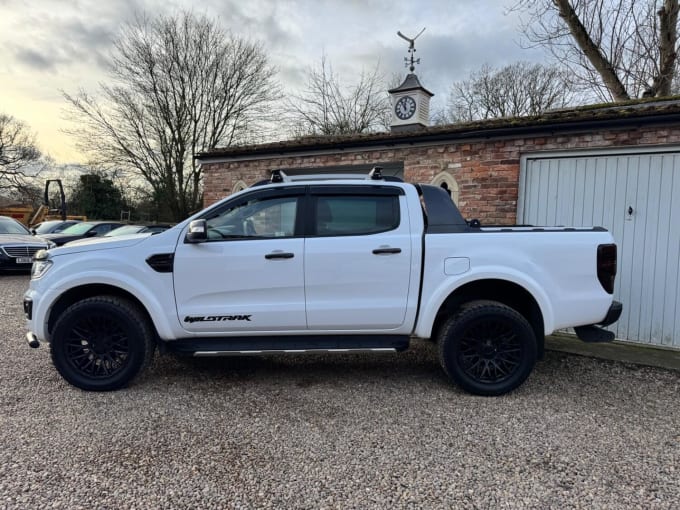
x=515 y=90
x=180 y=85
x=326 y=107
x=20 y=159
x=617 y=49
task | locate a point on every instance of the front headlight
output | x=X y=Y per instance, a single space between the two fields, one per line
x=39 y=268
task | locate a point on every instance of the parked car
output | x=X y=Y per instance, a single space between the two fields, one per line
x=324 y=264
x=17 y=245
x=82 y=230
x=138 y=229
x=52 y=226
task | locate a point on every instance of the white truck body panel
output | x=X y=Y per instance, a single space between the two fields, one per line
x=557 y=268
x=102 y=262
x=234 y=279
x=332 y=284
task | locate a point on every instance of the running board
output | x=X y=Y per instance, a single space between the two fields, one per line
x=225 y=346
x=207 y=354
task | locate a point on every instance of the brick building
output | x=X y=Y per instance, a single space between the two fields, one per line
x=615 y=166
x=479 y=162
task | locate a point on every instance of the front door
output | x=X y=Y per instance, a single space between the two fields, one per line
x=248 y=277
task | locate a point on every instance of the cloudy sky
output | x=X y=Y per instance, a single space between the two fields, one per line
x=51 y=45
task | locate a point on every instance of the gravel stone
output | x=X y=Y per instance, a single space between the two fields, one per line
x=332 y=431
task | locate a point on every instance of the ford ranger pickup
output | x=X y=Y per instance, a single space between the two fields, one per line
x=332 y=263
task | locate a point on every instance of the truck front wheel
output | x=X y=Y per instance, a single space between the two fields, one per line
x=487 y=348
x=101 y=343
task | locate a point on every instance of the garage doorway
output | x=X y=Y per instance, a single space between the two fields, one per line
x=634 y=194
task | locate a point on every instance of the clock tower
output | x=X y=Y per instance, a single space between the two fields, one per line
x=410 y=105
x=410 y=100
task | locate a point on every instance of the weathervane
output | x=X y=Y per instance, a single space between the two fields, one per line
x=411 y=62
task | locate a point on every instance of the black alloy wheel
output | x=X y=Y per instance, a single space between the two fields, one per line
x=97 y=346
x=490 y=350
x=487 y=348
x=101 y=343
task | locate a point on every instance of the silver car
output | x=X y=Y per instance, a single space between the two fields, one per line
x=17 y=246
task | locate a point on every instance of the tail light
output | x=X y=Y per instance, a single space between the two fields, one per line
x=606 y=266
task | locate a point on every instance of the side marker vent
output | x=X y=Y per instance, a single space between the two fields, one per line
x=161 y=262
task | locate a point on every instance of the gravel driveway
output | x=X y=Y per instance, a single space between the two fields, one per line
x=323 y=431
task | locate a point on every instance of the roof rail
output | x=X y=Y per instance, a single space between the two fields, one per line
x=376 y=173
x=279 y=176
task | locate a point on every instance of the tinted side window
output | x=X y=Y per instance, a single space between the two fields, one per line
x=258 y=217
x=355 y=215
x=103 y=228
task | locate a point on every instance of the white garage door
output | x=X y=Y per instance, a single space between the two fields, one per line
x=637 y=198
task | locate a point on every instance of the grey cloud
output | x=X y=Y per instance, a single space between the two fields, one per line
x=34 y=59
x=263 y=24
x=291 y=75
x=91 y=36
x=59 y=44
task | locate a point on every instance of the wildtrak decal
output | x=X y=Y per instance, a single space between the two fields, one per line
x=217 y=318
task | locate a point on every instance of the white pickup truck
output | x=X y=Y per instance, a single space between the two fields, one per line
x=328 y=263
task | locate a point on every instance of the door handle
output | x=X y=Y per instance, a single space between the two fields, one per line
x=383 y=251
x=279 y=255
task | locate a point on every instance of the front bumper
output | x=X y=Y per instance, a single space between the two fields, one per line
x=28 y=308
x=8 y=263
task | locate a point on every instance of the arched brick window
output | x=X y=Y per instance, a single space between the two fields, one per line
x=445 y=180
x=239 y=186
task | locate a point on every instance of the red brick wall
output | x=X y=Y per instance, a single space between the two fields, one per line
x=487 y=172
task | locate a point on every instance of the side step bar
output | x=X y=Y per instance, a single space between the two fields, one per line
x=207 y=354
x=225 y=346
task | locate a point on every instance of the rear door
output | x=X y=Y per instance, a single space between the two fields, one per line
x=357 y=258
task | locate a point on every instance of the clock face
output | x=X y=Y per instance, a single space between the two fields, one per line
x=405 y=107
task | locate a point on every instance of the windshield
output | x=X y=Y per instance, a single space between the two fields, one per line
x=77 y=229
x=8 y=226
x=46 y=227
x=123 y=231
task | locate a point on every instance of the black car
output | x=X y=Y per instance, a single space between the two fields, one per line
x=17 y=246
x=52 y=226
x=83 y=230
x=154 y=228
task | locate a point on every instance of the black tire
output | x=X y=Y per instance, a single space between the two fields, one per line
x=487 y=348
x=101 y=343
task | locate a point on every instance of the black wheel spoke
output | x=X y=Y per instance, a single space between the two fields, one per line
x=82 y=355
x=97 y=346
x=490 y=350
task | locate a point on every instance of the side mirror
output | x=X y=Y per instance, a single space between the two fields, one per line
x=91 y=233
x=197 y=233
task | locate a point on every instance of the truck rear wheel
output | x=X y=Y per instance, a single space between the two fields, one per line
x=101 y=343
x=487 y=348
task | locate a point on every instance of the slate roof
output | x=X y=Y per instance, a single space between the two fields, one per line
x=410 y=83
x=632 y=113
